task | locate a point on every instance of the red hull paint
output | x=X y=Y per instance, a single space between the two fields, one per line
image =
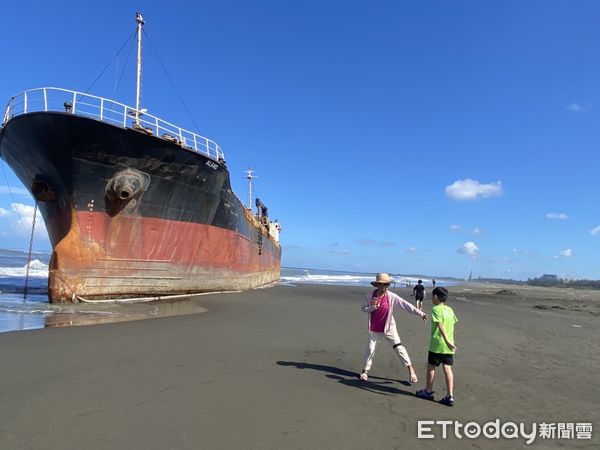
x=136 y=256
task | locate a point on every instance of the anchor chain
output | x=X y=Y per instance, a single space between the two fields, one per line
x=30 y=250
x=260 y=239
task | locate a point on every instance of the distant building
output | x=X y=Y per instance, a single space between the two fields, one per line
x=549 y=277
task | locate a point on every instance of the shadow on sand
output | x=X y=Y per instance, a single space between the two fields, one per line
x=380 y=386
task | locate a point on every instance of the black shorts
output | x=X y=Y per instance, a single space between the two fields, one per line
x=435 y=359
x=419 y=297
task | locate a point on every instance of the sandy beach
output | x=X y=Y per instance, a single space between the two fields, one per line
x=277 y=368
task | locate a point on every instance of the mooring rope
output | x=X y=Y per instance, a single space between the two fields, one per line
x=150 y=299
x=172 y=83
x=111 y=61
x=35 y=208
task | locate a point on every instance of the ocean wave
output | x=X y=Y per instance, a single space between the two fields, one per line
x=24 y=309
x=316 y=279
x=37 y=269
x=328 y=279
x=353 y=280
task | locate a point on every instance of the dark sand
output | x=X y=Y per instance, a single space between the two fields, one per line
x=276 y=369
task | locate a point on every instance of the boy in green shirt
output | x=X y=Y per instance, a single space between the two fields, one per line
x=441 y=346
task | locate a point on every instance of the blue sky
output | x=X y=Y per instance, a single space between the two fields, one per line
x=429 y=137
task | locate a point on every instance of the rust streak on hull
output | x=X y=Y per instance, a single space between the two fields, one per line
x=134 y=256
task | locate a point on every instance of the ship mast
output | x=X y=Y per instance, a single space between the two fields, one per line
x=140 y=23
x=250 y=176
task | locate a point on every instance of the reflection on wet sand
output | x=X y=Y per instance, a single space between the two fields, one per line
x=94 y=314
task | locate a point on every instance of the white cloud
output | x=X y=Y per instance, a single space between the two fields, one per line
x=295 y=247
x=566 y=253
x=22 y=216
x=557 y=216
x=26 y=214
x=14 y=191
x=577 y=108
x=411 y=249
x=465 y=190
x=595 y=231
x=365 y=241
x=476 y=230
x=337 y=250
x=455 y=227
x=470 y=249
x=340 y=251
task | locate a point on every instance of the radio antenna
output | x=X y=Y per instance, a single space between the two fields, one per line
x=250 y=176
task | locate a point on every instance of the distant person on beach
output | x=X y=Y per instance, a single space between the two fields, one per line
x=419 y=293
x=433 y=282
x=441 y=346
x=380 y=306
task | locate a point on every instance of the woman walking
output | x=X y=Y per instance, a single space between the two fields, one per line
x=380 y=307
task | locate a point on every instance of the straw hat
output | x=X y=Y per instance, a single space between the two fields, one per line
x=382 y=278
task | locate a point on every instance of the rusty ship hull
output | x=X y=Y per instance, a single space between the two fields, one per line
x=131 y=215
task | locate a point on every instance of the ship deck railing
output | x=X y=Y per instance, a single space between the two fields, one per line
x=52 y=99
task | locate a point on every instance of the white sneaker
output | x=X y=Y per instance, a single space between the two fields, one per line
x=364 y=376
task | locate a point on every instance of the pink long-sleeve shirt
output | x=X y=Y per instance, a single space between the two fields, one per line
x=393 y=300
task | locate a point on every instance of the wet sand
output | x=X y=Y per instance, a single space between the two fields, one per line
x=276 y=368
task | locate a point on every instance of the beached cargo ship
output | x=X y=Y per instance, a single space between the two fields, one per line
x=134 y=206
